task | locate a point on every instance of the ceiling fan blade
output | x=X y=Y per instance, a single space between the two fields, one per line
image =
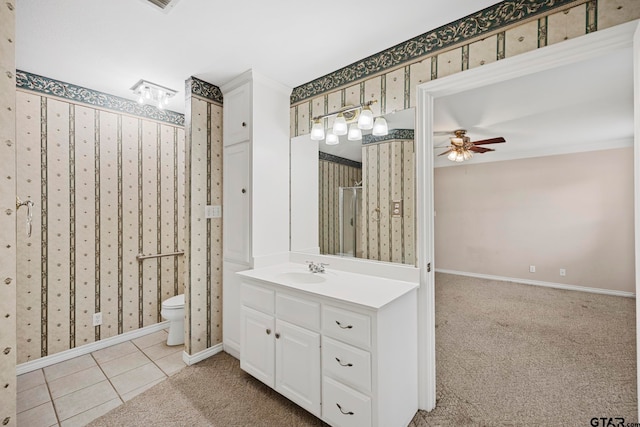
x=490 y=141
x=446 y=152
x=480 y=149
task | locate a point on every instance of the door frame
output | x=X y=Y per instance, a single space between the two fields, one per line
x=589 y=46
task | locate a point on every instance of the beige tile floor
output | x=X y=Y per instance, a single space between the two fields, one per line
x=77 y=391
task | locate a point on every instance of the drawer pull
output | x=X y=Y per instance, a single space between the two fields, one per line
x=244 y=124
x=344 y=327
x=344 y=364
x=345 y=413
x=277 y=335
x=268 y=331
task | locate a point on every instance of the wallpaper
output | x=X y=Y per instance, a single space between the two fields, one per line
x=203 y=165
x=388 y=174
x=333 y=174
x=504 y=30
x=106 y=186
x=8 y=216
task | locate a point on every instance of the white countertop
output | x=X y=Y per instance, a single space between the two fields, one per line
x=368 y=291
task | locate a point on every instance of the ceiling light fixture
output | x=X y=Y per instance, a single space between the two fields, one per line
x=148 y=92
x=365 y=121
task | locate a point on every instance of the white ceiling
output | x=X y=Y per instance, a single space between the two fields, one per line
x=582 y=107
x=108 y=45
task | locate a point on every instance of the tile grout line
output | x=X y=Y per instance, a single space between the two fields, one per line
x=108 y=379
x=53 y=405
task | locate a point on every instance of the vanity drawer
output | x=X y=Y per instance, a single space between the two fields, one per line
x=348 y=326
x=348 y=364
x=344 y=407
x=298 y=311
x=258 y=297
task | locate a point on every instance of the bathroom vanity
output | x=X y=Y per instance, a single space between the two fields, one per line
x=341 y=345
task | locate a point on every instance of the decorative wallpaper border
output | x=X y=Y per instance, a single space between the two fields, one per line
x=475 y=25
x=206 y=90
x=340 y=160
x=47 y=86
x=394 y=134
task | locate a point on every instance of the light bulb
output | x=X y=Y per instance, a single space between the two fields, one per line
x=365 y=121
x=332 y=139
x=452 y=156
x=355 y=134
x=340 y=125
x=147 y=93
x=317 y=131
x=141 y=99
x=166 y=100
x=160 y=106
x=380 y=127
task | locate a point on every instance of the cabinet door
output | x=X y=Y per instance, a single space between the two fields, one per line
x=237 y=115
x=257 y=345
x=236 y=192
x=298 y=365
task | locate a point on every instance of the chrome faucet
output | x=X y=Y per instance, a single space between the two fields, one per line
x=316 y=268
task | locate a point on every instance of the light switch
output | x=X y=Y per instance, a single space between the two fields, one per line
x=212 y=211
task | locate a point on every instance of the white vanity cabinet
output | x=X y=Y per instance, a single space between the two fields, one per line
x=349 y=364
x=280 y=343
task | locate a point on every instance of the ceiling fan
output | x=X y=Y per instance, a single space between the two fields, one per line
x=462 y=148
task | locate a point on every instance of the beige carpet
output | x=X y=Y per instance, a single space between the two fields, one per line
x=507 y=354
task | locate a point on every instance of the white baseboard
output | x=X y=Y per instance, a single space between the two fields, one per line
x=45 y=361
x=191 y=359
x=232 y=349
x=541 y=283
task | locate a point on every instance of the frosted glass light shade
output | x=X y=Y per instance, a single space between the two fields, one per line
x=380 y=127
x=452 y=156
x=332 y=139
x=355 y=134
x=365 y=121
x=340 y=125
x=467 y=154
x=317 y=131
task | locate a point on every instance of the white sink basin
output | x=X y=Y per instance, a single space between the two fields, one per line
x=296 y=277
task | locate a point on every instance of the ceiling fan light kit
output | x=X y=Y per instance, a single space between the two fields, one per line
x=462 y=148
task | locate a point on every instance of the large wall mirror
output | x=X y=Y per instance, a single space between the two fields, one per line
x=356 y=198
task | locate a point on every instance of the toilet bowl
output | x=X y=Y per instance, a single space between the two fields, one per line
x=173 y=311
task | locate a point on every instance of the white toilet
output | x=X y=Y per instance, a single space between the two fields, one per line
x=173 y=311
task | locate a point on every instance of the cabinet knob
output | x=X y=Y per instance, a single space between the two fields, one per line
x=344 y=327
x=345 y=413
x=244 y=190
x=268 y=331
x=277 y=335
x=244 y=124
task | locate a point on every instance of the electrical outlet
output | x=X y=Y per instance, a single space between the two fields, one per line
x=97 y=319
x=532 y=269
x=563 y=272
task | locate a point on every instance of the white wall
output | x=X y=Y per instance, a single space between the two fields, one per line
x=571 y=211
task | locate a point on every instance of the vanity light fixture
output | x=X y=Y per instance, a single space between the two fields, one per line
x=340 y=125
x=380 y=127
x=317 y=130
x=354 y=131
x=332 y=139
x=152 y=93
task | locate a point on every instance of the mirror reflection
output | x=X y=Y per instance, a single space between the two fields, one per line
x=367 y=193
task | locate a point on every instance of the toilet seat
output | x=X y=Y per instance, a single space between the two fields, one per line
x=174 y=302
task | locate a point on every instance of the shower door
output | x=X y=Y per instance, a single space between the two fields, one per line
x=350 y=201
